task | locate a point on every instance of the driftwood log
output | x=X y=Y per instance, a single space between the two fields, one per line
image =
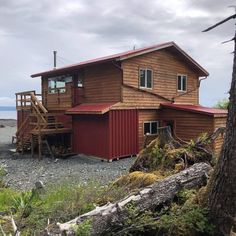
x=158 y=194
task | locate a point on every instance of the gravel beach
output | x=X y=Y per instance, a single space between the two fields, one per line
x=23 y=171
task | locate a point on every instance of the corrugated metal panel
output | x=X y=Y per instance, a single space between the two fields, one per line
x=91 y=135
x=108 y=136
x=123 y=133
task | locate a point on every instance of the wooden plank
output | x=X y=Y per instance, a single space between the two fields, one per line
x=165 y=66
x=102 y=83
x=52 y=131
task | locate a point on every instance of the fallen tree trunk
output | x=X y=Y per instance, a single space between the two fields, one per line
x=105 y=217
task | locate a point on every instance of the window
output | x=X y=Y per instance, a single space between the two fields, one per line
x=150 y=127
x=80 y=83
x=182 y=83
x=145 y=78
x=58 y=83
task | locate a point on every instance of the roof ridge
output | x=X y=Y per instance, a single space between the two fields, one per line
x=122 y=56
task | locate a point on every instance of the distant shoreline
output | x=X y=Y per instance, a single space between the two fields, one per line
x=8 y=122
x=6 y=119
x=7 y=108
x=8 y=114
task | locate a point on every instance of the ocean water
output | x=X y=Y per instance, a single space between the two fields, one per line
x=7 y=112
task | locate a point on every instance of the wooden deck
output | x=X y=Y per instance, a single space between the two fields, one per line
x=35 y=123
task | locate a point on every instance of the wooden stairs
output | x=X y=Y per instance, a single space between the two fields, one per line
x=35 y=123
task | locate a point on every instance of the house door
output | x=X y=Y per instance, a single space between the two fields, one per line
x=169 y=123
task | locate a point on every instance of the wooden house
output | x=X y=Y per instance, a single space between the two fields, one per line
x=104 y=107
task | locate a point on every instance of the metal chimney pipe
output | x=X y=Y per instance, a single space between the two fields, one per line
x=55 y=59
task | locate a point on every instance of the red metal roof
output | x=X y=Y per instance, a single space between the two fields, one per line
x=124 y=56
x=196 y=109
x=90 y=108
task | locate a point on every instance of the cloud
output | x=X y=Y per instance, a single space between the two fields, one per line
x=83 y=29
x=7 y=101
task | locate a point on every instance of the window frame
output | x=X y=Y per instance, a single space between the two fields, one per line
x=150 y=126
x=145 y=78
x=65 y=78
x=182 y=75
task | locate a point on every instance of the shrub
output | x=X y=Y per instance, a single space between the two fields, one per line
x=182 y=218
x=6 y=198
x=84 y=229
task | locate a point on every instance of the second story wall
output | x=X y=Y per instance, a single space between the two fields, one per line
x=57 y=99
x=165 y=67
x=102 y=83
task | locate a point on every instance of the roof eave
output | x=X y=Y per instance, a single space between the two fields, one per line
x=170 y=44
x=65 y=69
x=195 y=111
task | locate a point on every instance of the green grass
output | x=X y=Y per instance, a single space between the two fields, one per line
x=31 y=211
x=6 y=198
x=63 y=203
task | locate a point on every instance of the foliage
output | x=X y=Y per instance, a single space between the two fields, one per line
x=182 y=218
x=84 y=229
x=23 y=202
x=61 y=203
x=173 y=158
x=6 y=199
x=2 y=174
x=222 y=104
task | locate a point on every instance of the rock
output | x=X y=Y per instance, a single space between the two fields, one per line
x=2 y=126
x=39 y=185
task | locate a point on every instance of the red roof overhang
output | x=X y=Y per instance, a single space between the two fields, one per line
x=126 y=55
x=90 y=108
x=196 y=109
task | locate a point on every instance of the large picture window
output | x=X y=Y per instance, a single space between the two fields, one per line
x=150 y=127
x=182 y=83
x=58 y=83
x=145 y=78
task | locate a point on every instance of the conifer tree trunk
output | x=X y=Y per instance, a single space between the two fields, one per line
x=222 y=190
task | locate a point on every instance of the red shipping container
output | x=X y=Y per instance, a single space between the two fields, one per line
x=109 y=136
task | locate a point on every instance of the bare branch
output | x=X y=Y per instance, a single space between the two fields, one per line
x=221 y=22
x=229 y=40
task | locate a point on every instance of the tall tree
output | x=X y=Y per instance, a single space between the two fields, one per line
x=222 y=189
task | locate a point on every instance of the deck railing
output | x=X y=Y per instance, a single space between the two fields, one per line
x=24 y=99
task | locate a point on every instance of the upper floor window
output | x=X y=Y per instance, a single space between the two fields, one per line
x=58 y=83
x=182 y=83
x=145 y=78
x=80 y=83
x=150 y=127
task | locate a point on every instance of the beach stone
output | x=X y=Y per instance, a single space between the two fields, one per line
x=39 y=185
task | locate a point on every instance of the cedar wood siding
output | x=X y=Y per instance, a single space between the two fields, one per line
x=218 y=123
x=55 y=102
x=102 y=83
x=188 y=125
x=143 y=116
x=165 y=66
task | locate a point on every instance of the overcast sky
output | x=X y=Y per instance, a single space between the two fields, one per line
x=84 y=29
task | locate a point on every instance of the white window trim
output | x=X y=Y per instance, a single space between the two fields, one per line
x=145 y=69
x=182 y=82
x=152 y=121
